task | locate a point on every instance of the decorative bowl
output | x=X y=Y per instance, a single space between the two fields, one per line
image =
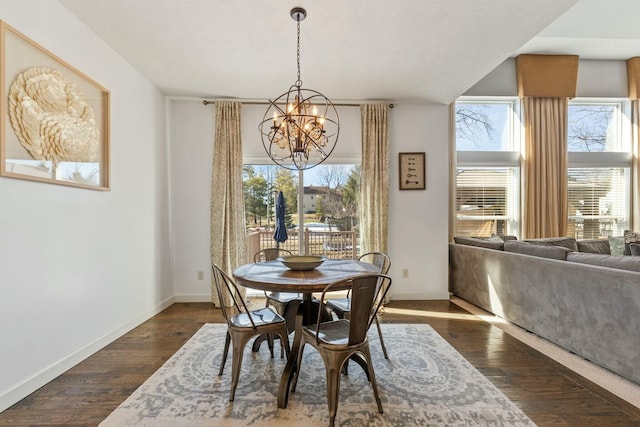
x=302 y=262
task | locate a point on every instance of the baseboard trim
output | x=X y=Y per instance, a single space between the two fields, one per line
x=419 y=296
x=25 y=388
x=614 y=383
x=193 y=298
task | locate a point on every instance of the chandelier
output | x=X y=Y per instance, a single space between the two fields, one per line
x=300 y=128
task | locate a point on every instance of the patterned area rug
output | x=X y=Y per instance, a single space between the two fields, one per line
x=425 y=382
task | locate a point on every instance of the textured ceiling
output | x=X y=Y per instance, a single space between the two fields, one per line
x=423 y=51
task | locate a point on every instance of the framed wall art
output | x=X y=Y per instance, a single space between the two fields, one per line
x=412 y=171
x=54 y=119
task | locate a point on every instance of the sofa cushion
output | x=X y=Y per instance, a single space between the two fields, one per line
x=488 y=242
x=616 y=245
x=635 y=249
x=630 y=237
x=595 y=246
x=566 y=242
x=543 y=251
x=621 y=262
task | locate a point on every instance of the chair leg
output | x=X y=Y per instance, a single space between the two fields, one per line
x=236 y=364
x=280 y=308
x=224 y=353
x=298 y=363
x=333 y=392
x=284 y=342
x=384 y=348
x=270 y=344
x=367 y=354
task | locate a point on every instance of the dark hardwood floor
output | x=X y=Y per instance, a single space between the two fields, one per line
x=549 y=393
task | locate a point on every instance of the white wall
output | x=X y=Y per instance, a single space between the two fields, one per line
x=80 y=267
x=418 y=219
x=191 y=136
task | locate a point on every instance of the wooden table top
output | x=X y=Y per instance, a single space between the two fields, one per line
x=274 y=276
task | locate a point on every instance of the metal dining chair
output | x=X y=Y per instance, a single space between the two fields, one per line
x=278 y=300
x=342 y=306
x=244 y=324
x=339 y=340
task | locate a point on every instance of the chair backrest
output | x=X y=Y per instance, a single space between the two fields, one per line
x=380 y=259
x=270 y=254
x=367 y=293
x=226 y=286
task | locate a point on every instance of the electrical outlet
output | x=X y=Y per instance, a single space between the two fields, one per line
x=405 y=273
x=200 y=275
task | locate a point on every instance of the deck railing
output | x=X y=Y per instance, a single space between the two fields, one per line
x=332 y=244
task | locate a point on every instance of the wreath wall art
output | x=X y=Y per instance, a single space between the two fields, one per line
x=54 y=118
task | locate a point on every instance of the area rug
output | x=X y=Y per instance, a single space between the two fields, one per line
x=425 y=382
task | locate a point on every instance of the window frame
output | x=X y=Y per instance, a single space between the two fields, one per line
x=494 y=159
x=608 y=159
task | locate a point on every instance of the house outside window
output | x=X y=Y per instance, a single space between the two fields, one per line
x=599 y=156
x=488 y=166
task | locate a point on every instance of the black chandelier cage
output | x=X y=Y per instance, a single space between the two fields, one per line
x=300 y=127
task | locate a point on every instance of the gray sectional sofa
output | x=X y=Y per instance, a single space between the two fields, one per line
x=585 y=302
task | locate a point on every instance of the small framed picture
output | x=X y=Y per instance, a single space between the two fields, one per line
x=412 y=171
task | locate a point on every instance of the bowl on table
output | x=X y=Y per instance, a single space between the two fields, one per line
x=302 y=262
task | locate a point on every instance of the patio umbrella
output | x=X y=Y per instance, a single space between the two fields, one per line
x=280 y=235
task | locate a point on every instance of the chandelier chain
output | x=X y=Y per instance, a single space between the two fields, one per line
x=298 y=82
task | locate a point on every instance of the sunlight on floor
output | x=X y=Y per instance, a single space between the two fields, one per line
x=423 y=313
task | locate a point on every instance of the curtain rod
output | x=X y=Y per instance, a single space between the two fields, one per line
x=337 y=104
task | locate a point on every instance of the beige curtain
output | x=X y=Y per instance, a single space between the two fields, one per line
x=453 y=169
x=545 y=167
x=635 y=167
x=374 y=180
x=228 y=235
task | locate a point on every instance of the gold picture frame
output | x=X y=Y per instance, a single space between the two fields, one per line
x=54 y=120
x=412 y=171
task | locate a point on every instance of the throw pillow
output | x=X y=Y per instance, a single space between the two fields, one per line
x=616 y=245
x=635 y=249
x=539 y=250
x=595 y=246
x=630 y=237
x=566 y=242
x=482 y=243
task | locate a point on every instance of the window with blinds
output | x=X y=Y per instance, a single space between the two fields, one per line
x=598 y=202
x=488 y=166
x=486 y=201
x=599 y=183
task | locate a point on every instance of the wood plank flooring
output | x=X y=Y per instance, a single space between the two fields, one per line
x=549 y=393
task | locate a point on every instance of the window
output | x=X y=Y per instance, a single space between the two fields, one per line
x=329 y=207
x=599 y=144
x=488 y=166
x=487 y=201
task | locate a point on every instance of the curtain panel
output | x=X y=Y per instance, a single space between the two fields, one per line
x=228 y=231
x=374 y=179
x=635 y=166
x=545 y=167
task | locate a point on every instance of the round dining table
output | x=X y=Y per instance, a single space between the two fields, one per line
x=274 y=276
